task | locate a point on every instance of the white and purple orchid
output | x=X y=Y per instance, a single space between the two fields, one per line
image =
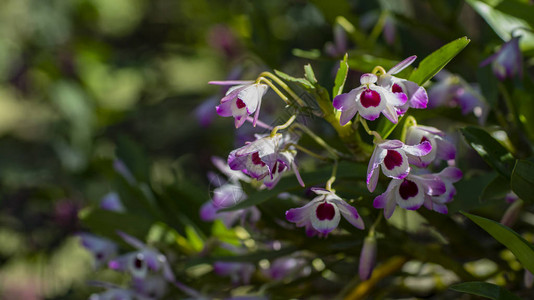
x=369 y=100
x=241 y=100
x=323 y=213
x=101 y=248
x=392 y=156
x=265 y=158
x=415 y=94
x=438 y=202
x=507 y=62
x=239 y=272
x=409 y=193
x=287 y=267
x=209 y=212
x=139 y=263
x=441 y=148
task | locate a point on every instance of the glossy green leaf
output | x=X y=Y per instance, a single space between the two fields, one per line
x=523 y=250
x=503 y=23
x=290 y=183
x=518 y=9
x=302 y=81
x=433 y=63
x=496 y=189
x=341 y=76
x=523 y=179
x=484 y=289
x=498 y=157
x=133 y=156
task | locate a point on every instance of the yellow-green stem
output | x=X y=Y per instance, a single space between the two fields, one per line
x=332 y=178
x=275 y=89
x=283 y=126
x=284 y=86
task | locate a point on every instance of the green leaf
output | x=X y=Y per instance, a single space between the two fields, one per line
x=490 y=150
x=523 y=250
x=433 y=63
x=309 y=74
x=133 y=156
x=290 y=183
x=517 y=9
x=341 y=76
x=484 y=289
x=503 y=24
x=302 y=81
x=523 y=179
x=496 y=189
x=106 y=223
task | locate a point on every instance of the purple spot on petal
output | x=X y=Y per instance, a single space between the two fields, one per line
x=239 y=103
x=393 y=159
x=408 y=189
x=325 y=211
x=370 y=98
x=424 y=139
x=256 y=159
x=396 y=89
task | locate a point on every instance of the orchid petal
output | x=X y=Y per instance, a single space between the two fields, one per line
x=402 y=65
x=350 y=213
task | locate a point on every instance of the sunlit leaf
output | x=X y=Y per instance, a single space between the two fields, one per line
x=302 y=81
x=433 y=63
x=484 y=289
x=341 y=76
x=523 y=250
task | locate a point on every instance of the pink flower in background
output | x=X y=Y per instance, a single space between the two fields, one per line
x=507 y=62
x=438 y=203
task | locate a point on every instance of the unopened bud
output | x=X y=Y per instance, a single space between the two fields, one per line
x=512 y=213
x=367 y=258
x=528 y=279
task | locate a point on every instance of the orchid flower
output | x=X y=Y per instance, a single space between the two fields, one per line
x=415 y=94
x=324 y=212
x=438 y=203
x=506 y=63
x=369 y=100
x=111 y=201
x=285 y=267
x=409 y=193
x=239 y=272
x=367 y=258
x=241 y=100
x=392 y=156
x=209 y=212
x=265 y=157
x=101 y=248
x=151 y=287
x=441 y=148
x=140 y=262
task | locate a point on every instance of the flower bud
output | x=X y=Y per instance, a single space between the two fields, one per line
x=367 y=258
x=512 y=213
x=528 y=279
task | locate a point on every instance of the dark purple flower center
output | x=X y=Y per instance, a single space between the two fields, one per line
x=325 y=211
x=239 y=103
x=396 y=89
x=138 y=262
x=424 y=139
x=370 y=98
x=393 y=159
x=256 y=159
x=281 y=167
x=408 y=189
x=99 y=255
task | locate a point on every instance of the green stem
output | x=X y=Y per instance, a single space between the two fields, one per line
x=377 y=221
x=332 y=178
x=284 y=86
x=377 y=136
x=509 y=104
x=318 y=140
x=409 y=122
x=283 y=126
x=379 y=27
x=275 y=89
x=309 y=152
